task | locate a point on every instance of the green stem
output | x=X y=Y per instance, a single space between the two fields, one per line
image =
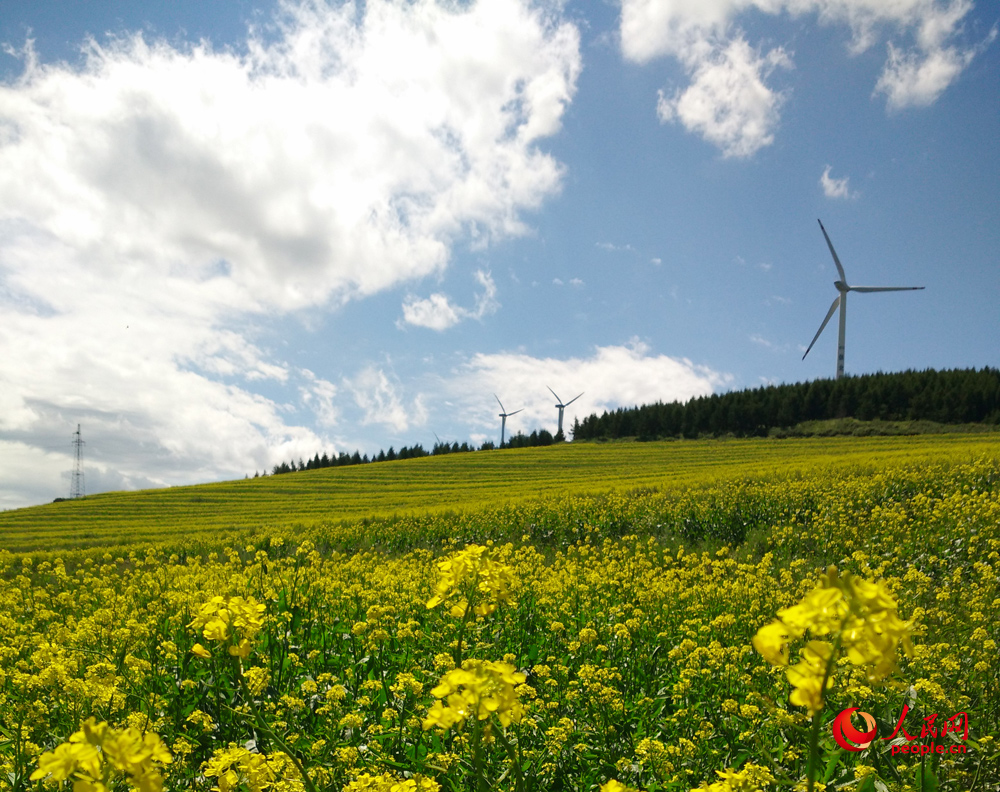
x=477 y=757
x=811 y=766
x=515 y=759
x=813 y=752
x=461 y=632
x=19 y=769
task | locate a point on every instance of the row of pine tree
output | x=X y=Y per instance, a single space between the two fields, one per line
x=958 y=396
x=538 y=438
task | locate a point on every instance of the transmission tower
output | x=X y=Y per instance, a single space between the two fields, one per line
x=76 y=488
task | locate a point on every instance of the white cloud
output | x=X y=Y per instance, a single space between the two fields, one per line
x=835 y=188
x=435 y=312
x=380 y=400
x=613 y=248
x=339 y=160
x=438 y=313
x=728 y=101
x=156 y=199
x=913 y=79
x=760 y=340
x=319 y=395
x=613 y=376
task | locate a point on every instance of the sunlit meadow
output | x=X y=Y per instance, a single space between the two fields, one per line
x=654 y=639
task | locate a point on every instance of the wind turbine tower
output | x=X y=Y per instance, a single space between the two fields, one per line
x=504 y=415
x=562 y=407
x=76 y=489
x=841 y=302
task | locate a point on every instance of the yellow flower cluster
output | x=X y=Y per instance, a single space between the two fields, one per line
x=232 y=620
x=96 y=754
x=478 y=689
x=862 y=621
x=614 y=785
x=475 y=576
x=752 y=778
x=236 y=767
x=386 y=782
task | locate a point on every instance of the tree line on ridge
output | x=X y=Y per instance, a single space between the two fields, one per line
x=955 y=396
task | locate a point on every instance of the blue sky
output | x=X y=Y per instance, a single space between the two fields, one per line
x=236 y=233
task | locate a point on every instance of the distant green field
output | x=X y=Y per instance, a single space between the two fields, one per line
x=454 y=482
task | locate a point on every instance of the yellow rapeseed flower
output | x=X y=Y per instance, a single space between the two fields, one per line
x=861 y=619
x=475 y=575
x=96 y=754
x=479 y=689
x=200 y=651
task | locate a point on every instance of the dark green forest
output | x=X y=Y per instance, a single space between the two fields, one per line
x=958 y=396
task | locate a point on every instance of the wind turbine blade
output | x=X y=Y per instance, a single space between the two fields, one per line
x=499 y=402
x=886 y=288
x=572 y=400
x=833 y=252
x=515 y=412
x=554 y=394
x=829 y=313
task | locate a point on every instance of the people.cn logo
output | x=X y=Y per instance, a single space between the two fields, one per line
x=849 y=738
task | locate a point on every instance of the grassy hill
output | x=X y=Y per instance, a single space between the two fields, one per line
x=456 y=482
x=632 y=587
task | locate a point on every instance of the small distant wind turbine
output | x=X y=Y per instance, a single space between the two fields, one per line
x=562 y=406
x=504 y=416
x=841 y=302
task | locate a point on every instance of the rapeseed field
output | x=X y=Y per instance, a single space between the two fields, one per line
x=456 y=482
x=709 y=635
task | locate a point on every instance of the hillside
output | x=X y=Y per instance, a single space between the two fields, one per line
x=629 y=636
x=447 y=483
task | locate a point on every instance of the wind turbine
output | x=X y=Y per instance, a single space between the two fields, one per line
x=841 y=302
x=504 y=416
x=562 y=406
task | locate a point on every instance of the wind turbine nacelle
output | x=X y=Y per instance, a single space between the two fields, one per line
x=841 y=286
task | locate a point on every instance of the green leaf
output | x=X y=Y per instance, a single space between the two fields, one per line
x=868 y=785
x=927 y=780
x=831 y=766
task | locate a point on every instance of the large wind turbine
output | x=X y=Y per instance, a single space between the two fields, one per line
x=562 y=406
x=504 y=416
x=841 y=302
